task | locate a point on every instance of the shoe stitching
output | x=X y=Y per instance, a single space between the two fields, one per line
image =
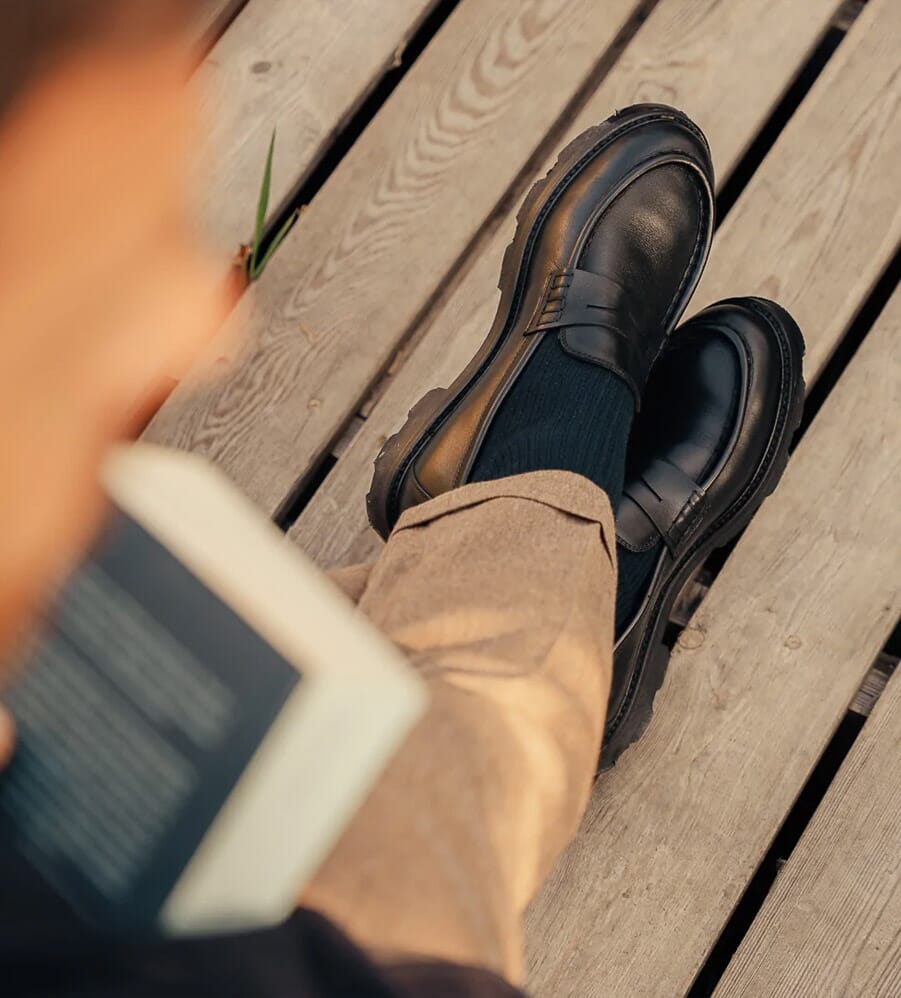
x=753 y=305
x=435 y=426
x=488 y=412
x=725 y=433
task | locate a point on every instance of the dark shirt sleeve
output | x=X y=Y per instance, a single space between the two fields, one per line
x=306 y=957
x=46 y=951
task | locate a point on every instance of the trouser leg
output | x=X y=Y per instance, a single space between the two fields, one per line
x=501 y=594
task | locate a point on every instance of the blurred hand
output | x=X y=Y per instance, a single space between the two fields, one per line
x=103 y=292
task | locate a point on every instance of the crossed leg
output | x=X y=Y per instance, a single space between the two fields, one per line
x=502 y=595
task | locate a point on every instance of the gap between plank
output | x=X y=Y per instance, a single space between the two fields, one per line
x=294 y=504
x=869 y=692
x=788 y=836
x=284 y=521
x=818 y=391
x=696 y=589
x=729 y=193
x=218 y=26
x=800 y=86
x=766 y=138
x=781 y=848
x=347 y=133
x=851 y=342
x=522 y=182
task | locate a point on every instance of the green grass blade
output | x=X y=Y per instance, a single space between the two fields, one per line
x=262 y=207
x=274 y=245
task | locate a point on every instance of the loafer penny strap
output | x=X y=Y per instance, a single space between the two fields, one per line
x=576 y=302
x=662 y=502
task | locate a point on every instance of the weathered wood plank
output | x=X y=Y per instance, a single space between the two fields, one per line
x=302 y=68
x=752 y=696
x=820 y=220
x=384 y=231
x=727 y=65
x=831 y=925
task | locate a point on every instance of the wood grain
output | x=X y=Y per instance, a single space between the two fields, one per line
x=674 y=833
x=819 y=221
x=384 y=231
x=300 y=67
x=755 y=689
x=752 y=696
x=831 y=925
x=727 y=65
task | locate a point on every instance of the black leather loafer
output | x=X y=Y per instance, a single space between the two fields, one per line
x=608 y=249
x=721 y=408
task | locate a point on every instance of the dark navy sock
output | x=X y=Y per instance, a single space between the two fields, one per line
x=562 y=414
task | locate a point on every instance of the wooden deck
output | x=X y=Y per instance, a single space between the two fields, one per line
x=409 y=129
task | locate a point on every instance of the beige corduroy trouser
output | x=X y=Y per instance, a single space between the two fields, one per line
x=502 y=596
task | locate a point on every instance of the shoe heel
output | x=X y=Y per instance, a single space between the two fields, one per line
x=396 y=455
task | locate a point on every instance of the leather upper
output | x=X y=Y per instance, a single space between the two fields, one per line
x=607 y=253
x=717 y=405
x=711 y=406
x=662 y=501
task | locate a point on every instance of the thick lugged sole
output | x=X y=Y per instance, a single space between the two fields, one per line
x=428 y=415
x=634 y=715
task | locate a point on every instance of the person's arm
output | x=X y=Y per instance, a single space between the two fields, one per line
x=103 y=292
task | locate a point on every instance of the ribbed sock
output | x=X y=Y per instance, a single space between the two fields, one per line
x=561 y=414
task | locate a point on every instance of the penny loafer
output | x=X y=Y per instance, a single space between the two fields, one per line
x=712 y=441
x=609 y=247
